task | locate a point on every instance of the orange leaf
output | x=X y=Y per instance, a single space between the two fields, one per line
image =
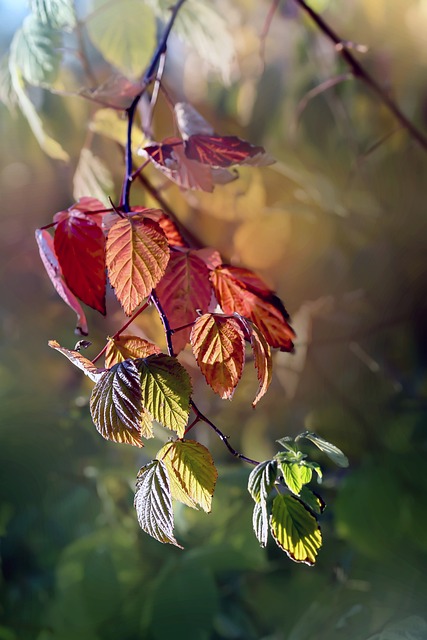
x=241 y=291
x=219 y=348
x=184 y=289
x=137 y=257
x=170 y=229
x=127 y=346
x=262 y=358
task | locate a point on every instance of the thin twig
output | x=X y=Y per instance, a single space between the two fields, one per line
x=360 y=72
x=266 y=28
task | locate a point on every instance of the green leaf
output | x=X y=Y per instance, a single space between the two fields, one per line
x=153 y=502
x=260 y=522
x=295 y=529
x=58 y=14
x=92 y=176
x=191 y=471
x=335 y=454
x=315 y=467
x=295 y=475
x=34 y=50
x=115 y=405
x=312 y=500
x=166 y=390
x=48 y=144
x=125 y=34
x=7 y=93
x=261 y=480
x=288 y=443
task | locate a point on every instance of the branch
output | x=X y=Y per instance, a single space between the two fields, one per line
x=360 y=72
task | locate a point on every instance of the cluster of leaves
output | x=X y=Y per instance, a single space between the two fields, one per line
x=145 y=256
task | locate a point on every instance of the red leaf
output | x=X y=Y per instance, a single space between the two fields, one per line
x=168 y=226
x=183 y=290
x=80 y=246
x=219 y=348
x=83 y=206
x=137 y=256
x=170 y=159
x=220 y=151
x=252 y=299
x=51 y=264
x=116 y=92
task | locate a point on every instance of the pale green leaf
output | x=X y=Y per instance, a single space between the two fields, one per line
x=7 y=92
x=261 y=480
x=35 y=51
x=125 y=34
x=335 y=454
x=190 y=464
x=260 y=522
x=166 y=390
x=153 y=502
x=92 y=176
x=205 y=31
x=115 y=405
x=58 y=14
x=295 y=475
x=48 y=144
x=295 y=529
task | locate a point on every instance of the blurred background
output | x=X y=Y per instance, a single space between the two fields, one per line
x=338 y=227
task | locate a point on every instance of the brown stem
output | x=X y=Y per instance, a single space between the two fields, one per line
x=360 y=72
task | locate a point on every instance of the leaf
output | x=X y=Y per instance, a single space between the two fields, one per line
x=260 y=522
x=51 y=264
x=34 y=50
x=191 y=471
x=190 y=122
x=166 y=390
x=335 y=454
x=313 y=501
x=170 y=159
x=7 y=93
x=58 y=14
x=261 y=480
x=167 y=225
x=137 y=257
x=47 y=143
x=220 y=151
x=241 y=291
x=262 y=359
x=295 y=529
x=183 y=291
x=125 y=33
x=219 y=348
x=92 y=176
x=295 y=475
x=111 y=124
x=115 y=404
x=153 y=502
x=125 y=347
x=88 y=368
x=117 y=92
x=80 y=246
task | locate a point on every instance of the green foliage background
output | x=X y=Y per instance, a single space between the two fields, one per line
x=338 y=227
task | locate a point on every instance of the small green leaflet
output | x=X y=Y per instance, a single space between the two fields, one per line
x=295 y=475
x=261 y=480
x=153 y=502
x=295 y=529
x=166 y=390
x=191 y=471
x=335 y=454
x=34 y=50
x=58 y=14
x=115 y=404
x=312 y=500
x=125 y=34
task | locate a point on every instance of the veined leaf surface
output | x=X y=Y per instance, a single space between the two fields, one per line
x=116 y=407
x=80 y=246
x=34 y=50
x=79 y=361
x=137 y=257
x=153 y=502
x=166 y=390
x=257 y=304
x=335 y=454
x=262 y=358
x=219 y=348
x=295 y=529
x=184 y=289
x=127 y=346
x=58 y=14
x=260 y=522
x=261 y=480
x=295 y=475
x=191 y=471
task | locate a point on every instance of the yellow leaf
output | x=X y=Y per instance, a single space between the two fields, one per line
x=295 y=529
x=127 y=346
